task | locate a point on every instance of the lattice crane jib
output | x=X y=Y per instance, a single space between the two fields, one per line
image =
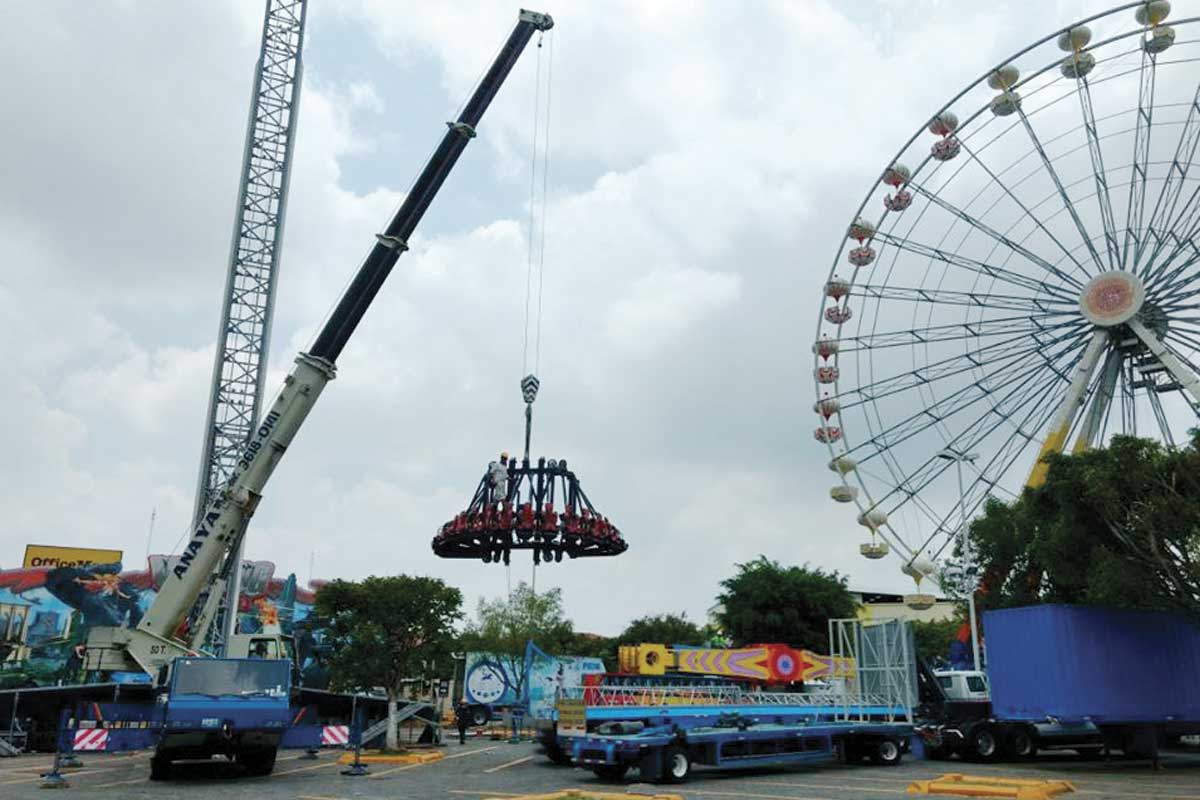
x=243 y=339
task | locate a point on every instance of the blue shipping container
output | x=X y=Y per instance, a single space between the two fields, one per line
x=1074 y=663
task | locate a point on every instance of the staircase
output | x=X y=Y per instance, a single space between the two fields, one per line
x=8 y=749
x=406 y=711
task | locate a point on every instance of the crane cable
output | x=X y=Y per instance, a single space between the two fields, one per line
x=537 y=235
x=536 y=254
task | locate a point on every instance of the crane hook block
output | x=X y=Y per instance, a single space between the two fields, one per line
x=529 y=388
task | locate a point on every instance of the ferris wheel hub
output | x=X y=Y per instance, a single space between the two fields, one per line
x=1112 y=298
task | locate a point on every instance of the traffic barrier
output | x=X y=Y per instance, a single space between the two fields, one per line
x=90 y=740
x=376 y=757
x=980 y=786
x=335 y=735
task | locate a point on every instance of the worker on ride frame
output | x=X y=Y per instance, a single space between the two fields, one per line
x=498 y=474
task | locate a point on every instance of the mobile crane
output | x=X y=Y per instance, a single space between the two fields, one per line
x=163 y=636
x=159 y=637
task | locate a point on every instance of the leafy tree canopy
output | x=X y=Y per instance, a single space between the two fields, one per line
x=662 y=629
x=384 y=630
x=1118 y=527
x=502 y=627
x=765 y=602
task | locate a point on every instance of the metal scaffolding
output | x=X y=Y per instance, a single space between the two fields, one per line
x=243 y=339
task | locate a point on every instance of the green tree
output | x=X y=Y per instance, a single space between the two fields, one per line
x=765 y=602
x=384 y=630
x=662 y=629
x=503 y=626
x=934 y=637
x=1118 y=526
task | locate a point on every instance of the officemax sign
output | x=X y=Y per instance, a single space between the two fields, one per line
x=42 y=555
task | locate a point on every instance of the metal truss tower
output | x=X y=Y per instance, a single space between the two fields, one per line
x=243 y=339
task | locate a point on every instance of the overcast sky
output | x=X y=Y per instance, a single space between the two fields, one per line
x=705 y=161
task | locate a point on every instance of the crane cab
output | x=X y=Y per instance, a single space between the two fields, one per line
x=260 y=645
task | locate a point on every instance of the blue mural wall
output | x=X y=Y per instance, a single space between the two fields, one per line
x=46 y=612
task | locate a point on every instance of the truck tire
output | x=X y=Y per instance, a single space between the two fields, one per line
x=984 y=744
x=611 y=772
x=677 y=766
x=886 y=752
x=1020 y=744
x=258 y=762
x=937 y=752
x=557 y=755
x=160 y=767
x=480 y=716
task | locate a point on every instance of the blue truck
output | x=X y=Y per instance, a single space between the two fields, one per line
x=237 y=708
x=1069 y=677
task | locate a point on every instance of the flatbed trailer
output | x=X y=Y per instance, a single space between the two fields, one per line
x=666 y=753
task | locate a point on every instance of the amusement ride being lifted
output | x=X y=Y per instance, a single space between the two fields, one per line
x=994 y=309
x=515 y=502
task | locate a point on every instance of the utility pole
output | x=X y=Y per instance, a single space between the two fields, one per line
x=958 y=458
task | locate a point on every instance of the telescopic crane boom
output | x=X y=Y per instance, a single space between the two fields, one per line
x=158 y=638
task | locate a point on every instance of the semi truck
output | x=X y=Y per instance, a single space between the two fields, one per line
x=1066 y=677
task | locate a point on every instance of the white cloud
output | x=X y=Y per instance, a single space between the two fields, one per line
x=661 y=307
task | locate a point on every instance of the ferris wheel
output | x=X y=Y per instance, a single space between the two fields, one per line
x=1024 y=279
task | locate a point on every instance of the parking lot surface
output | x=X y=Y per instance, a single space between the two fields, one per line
x=482 y=769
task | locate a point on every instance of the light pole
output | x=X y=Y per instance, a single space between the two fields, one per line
x=958 y=458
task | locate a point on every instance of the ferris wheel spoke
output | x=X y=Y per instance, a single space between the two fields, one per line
x=1041 y=262
x=950 y=332
x=1008 y=302
x=1168 y=195
x=1062 y=192
x=1101 y=175
x=1019 y=345
x=1141 y=158
x=1179 y=275
x=1003 y=240
x=1172 y=241
x=1019 y=397
x=1188 y=338
x=1011 y=372
x=1006 y=454
x=977 y=267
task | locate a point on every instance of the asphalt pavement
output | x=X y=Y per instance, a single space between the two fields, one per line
x=483 y=769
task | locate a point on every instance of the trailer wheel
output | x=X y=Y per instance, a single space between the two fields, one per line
x=937 y=752
x=480 y=716
x=1021 y=744
x=611 y=772
x=886 y=752
x=160 y=767
x=984 y=744
x=676 y=764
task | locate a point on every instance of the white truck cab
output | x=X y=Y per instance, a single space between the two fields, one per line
x=967 y=684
